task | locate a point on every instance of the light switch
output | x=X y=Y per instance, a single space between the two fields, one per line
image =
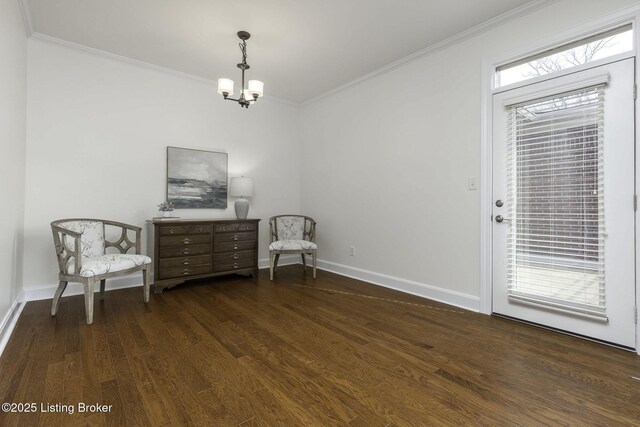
x=473 y=183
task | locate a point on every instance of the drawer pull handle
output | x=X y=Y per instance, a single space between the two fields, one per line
x=201 y=229
x=235 y=265
x=186 y=262
x=236 y=256
x=186 y=251
x=186 y=271
x=235 y=246
x=224 y=228
x=186 y=241
x=171 y=231
x=235 y=237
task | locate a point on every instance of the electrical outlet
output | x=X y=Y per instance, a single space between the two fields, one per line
x=353 y=251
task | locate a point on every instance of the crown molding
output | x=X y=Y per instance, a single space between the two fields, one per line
x=453 y=40
x=458 y=38
x=26 y=17
x=143 y=64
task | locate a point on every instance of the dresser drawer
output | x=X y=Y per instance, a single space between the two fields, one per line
x=235 y=237
x=181 y=251
x=233 y=265
x=168 y=273
x=185 y=262
x=168 y=230
x=185 y=240
x=234 y=256
x=225 y=228
x=234 y=246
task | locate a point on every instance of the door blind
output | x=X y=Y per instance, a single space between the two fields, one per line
x=555 y=247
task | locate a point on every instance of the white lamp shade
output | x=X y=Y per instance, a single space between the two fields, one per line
x=225 y=85
x=241 y=187
x=256 y=86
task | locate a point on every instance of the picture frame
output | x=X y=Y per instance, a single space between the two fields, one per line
x=196 y=179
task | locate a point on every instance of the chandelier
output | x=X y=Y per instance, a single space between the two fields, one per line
x=254 y=88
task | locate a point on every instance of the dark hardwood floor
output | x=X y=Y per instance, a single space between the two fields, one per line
x=334 y=351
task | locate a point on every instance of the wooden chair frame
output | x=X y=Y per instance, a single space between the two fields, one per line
x=64 y=254
x=308 y=233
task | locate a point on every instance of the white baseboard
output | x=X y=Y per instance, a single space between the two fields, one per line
x=435 y=293
x=285 y=259
x=47 y=291
x=10 y=320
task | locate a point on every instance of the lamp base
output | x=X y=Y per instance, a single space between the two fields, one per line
x=242 y=208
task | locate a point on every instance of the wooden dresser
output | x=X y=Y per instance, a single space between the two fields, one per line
x=198 y=248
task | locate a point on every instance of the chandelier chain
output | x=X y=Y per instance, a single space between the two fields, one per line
x=243 y=49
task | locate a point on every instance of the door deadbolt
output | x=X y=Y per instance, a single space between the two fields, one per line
x=499 y=203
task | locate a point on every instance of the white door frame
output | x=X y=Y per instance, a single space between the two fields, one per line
x=616 y=19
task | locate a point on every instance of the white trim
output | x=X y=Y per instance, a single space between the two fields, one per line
x=10 y=320
x=26 y=17
x=615 y=19
x=518 y=12
x=125 y=59
x=486 y=192
x=446 y=296
x=573 y=70
x=285 y=259
x=499 y=20
x=637 y=183
x=629 y=14
x=37 y=293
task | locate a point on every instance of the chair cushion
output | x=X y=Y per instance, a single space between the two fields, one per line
x=92 y=239
x=292 y=245
x=290 y=227
x=95 y=266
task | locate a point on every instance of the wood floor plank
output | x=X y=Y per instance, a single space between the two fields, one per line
x=297 y=351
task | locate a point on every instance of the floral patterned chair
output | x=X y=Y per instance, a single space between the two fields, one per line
x=292 y=234
x=81 y=248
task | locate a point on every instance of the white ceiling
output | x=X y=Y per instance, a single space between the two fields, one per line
x=299 y=48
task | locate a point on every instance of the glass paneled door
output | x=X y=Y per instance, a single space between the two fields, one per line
x=563 y=212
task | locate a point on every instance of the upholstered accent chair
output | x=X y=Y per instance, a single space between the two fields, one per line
x=81 y=248
x=292 y=234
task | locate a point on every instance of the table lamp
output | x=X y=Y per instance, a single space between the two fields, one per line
x=241 y=187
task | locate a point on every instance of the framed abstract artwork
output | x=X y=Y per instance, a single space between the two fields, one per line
x=196 y=178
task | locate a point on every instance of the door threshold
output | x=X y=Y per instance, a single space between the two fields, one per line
x=573 y=334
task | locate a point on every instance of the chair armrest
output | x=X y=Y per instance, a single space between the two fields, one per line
x=64 y=252
x=123 y=244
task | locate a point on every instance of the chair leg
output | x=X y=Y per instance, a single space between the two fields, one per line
x=146 y=276
x=56 y=297
x=88 y=301
x=103 y=283
x=304 y=262
x=315 y=257
x=270 y=265
x=275 y=264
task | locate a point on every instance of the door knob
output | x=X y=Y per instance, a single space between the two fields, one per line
x=500 y=218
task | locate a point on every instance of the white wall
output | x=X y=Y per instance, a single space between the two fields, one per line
x=389 y=159
x=98 y=129
x=13 y=92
